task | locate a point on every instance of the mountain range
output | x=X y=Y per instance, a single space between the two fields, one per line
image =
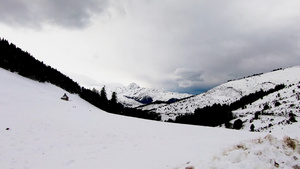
x=274 y=109
x=134 y=96
x=229 y=92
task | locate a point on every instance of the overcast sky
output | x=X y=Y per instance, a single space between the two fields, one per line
x=185 y=46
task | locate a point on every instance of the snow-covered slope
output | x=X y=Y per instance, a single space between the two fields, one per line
x=230 y=92
x=39 y=130
x=134 y=95
x=276 y=110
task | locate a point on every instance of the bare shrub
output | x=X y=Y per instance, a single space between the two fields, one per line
x=296 y=167
x=292 y=143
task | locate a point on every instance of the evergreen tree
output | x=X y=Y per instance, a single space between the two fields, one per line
x=114 y=106
x=104 y=105
x=103 y=95
x=252 y=127
x=113 y=99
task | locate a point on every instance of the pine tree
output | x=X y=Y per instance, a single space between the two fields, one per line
x=103 y=95
x=114 y=106
x=252 y=127
x=104 y=105
x=113 y=99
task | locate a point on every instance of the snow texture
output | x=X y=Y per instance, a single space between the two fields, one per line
x=39 y=130
x=267 y=152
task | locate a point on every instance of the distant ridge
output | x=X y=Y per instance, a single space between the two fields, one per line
x=234 y=90
x=134 y=95
x=275 y=93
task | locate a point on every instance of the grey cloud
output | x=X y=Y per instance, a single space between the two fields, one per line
x=226 y=39
x=66 y=13
x=237 y=41
x=187 y=77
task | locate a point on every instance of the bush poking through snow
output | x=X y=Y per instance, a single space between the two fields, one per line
x=292 y=143
x=296 y=167
x=267 y=152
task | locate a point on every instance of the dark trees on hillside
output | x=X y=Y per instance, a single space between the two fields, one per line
x=90 y=96
x=208 y=116
x=132 y=112
x=16 y=60
x=219 y=114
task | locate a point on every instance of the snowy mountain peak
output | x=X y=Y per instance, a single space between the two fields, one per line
x=133 y=95
x=133 y=86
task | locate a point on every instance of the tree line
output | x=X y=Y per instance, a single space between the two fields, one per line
x=218 y=114
x=16 y=60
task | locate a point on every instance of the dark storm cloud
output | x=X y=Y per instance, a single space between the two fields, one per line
x=194 y=45
x=35 y=13
x=234 y=39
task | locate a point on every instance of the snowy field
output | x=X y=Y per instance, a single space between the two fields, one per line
x=38 y=130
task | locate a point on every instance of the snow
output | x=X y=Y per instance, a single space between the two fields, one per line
x=131 y=95
x=277 y=116
x=39 y=130
x=267 y=152
x=231 y=91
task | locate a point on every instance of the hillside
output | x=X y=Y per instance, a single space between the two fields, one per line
x=230 y=92
x=39 y=130
x=277 y=110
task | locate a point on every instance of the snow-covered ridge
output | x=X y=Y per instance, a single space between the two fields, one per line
x=276 y=110
x=133 y=95
x=229 y=92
